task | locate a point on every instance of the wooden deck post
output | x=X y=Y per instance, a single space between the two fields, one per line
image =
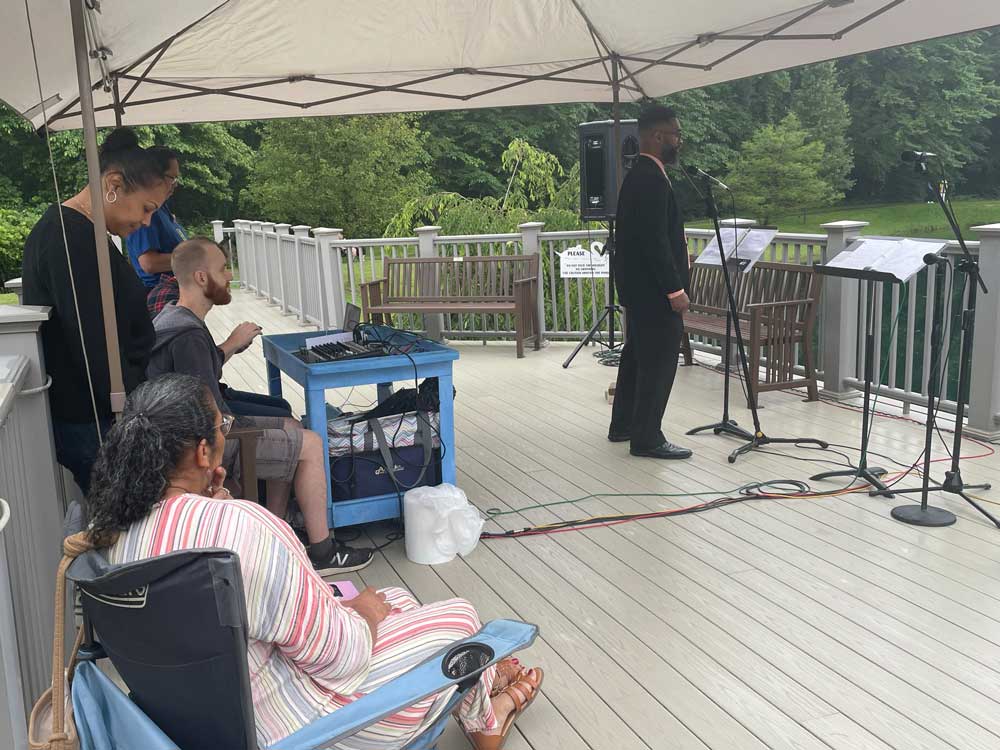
x=281 y=230
x=839 y=356
x=331 y=276
x=531 y=245
x=984 y=392
x=433 y=323
x=300 y=231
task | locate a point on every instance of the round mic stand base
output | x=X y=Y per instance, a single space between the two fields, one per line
x=921 y=515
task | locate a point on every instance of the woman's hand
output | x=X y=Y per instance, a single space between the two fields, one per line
x=216 y=490
x=372 y=607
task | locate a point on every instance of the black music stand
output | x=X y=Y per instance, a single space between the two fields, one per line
x=863 y=471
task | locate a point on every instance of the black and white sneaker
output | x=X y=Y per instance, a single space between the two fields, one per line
x=340 y=559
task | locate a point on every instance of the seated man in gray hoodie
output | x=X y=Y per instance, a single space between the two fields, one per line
x=287 y=453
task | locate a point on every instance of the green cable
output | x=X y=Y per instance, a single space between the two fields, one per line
x=742 y=489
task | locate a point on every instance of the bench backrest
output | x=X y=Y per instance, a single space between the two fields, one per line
x=458 y=278
x=766 y=282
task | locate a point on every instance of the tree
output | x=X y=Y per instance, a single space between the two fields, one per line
x=821 y=108
x=937 y=96
x=779 y=169
x=466 y=146
x=355 y=172
x=533 y=174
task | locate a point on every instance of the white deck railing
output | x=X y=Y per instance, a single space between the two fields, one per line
x=314 y=276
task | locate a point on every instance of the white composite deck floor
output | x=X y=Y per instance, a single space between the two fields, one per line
x=795 y=624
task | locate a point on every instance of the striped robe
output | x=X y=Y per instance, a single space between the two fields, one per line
x=308 y=654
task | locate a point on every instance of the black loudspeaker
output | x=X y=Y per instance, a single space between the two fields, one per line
x=600 y=173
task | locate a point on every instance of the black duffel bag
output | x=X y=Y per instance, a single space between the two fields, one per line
x=389 y=469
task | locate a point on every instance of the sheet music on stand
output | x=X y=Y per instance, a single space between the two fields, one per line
x=747 y=246
x=896 y=261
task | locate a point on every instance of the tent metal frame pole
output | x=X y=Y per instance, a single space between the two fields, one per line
x=81 y=52
x=119 y=110
x=644 y=59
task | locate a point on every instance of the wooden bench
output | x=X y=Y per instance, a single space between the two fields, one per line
x=498 y=284
x=777 y=305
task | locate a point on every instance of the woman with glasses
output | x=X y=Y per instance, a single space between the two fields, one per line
x=157 y=489
x=150 y=247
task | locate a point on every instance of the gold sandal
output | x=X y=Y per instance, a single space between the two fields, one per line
x=508 y=671
x=523 y=693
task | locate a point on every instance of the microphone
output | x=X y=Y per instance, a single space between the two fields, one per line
x=716 y=180
x=932 y=259
x=917 y=156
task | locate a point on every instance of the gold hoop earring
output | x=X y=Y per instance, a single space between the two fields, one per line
x=111 y=196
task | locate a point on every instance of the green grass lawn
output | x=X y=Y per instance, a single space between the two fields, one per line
x=8 y=299
x=912 y=219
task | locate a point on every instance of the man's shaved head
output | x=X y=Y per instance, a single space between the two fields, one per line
x=195 y=254
x=200 y=266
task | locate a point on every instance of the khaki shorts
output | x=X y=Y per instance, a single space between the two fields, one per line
x=278 y=449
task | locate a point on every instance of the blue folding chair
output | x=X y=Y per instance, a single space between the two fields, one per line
x=175 y=628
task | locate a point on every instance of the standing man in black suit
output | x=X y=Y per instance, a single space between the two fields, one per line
x=651 y=268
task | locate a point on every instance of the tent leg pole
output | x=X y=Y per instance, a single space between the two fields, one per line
x=97 y=203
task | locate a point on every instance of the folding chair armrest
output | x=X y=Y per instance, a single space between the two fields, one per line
x=426 y=679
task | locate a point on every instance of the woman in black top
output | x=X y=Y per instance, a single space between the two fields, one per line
x=133 y=186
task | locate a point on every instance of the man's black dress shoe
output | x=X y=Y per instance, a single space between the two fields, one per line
x=667 y=450
x=619 y=437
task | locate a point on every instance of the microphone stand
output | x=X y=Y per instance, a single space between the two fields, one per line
x=726 y=425
x=758 y=439
x=923 y=514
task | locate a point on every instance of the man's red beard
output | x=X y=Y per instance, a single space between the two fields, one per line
x=218 y=293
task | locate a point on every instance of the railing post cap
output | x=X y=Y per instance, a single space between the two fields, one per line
x=217 y=221
x=738 y=222
x=282 y=228
x=326 y=232
x=427 y=230
x=987 y=230
x=255 y=223
x=531 y=225
x=844 y=225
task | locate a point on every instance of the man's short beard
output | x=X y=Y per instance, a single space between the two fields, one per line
x=218 y=293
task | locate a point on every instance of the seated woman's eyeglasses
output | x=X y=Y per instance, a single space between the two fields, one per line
x=227 y=423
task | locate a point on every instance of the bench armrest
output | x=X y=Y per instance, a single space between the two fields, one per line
x=504 y=637
x=784 y=303
x=372 y=295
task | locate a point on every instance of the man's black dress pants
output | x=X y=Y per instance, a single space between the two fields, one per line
x=646 y=374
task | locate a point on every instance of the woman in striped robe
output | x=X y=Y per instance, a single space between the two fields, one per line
x=157 y=488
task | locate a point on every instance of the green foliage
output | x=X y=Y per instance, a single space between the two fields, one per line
x=820 y=105
x=15 y=225
x=354 y=172
x=466 y=146
x=533 y=175
x=778 y=168
x=909 y=219
x=937 y=96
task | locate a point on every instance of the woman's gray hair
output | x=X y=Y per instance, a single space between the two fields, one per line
x=163 y=420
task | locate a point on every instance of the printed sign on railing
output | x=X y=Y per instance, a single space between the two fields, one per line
x=580 y=263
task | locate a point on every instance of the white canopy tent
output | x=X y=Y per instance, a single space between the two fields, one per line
x=204 y=60
x=73 y=63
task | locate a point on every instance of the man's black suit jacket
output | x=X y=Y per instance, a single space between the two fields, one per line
x=651 y=259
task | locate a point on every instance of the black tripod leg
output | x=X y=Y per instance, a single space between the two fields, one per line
x=591 y=335
x=980 y=508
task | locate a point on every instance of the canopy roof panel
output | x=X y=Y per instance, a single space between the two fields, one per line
x=203 y=60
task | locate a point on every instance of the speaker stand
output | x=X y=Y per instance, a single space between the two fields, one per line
x=610 y=310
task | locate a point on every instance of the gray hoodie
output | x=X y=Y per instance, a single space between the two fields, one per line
x=184 y=344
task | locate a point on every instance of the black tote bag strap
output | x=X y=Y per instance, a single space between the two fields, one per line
x=426 y=438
